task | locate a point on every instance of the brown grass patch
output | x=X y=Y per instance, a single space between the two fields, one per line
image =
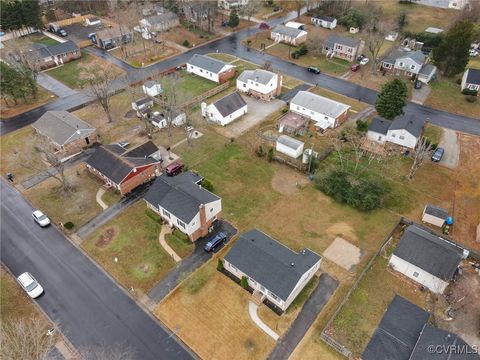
x=105 y=239
x=287 y=181
x=9 y=110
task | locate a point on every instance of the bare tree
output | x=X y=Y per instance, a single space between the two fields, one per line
x=25 y=339
x=98 y=77
x=314 y=45
x=372 y=13
x=423 y=149
x=374 y=43
x=249 y=10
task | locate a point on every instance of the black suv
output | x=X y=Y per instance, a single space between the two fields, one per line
x=313 y=69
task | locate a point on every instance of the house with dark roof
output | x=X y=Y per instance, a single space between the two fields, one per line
x=225 y=110
x=404 y=334
x=210 y=68
x=404 y=130
x=324 y=21
x=471 y=80
x=434 y=215
x=342 y=47
x=125 y=169
x=427 y=259
x=288 y=35
x=160 y=21
x=67 y=133
x=378 y=129
x=183 y=203
x=112 y=37
x=409 y=63
x=42 y=57
x=274 y=271
x=261 y=84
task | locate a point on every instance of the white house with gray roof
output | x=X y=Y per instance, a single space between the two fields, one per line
x=427 y=259
x=273 y=270
x=471 y=80
x=210 y=68
x=288 y=35
x=262 y=84
x=378 y=129
x=225 y=110
x=289 y=146
x=325 y=112
x=184 y=204
x=324 y=21
x=404 y=130
x=409 y=63
x=342 y=47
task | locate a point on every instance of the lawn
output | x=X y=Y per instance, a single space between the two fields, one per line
x=45 y=40
x=433 y=132
x=193 y=85
x=180 y=243
x=132 y=239
x=10 y=109
x=356 y=105
x=223 y=57
x=259 y=41
x=139 y=56
x=181 y=33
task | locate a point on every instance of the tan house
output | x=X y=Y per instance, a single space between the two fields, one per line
x=288 y=35
x=341 y=47
x=112 y=37
x=42 y=57
x=67 y=133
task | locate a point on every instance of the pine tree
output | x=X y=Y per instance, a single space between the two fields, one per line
x=234 y=20
x=392 y=99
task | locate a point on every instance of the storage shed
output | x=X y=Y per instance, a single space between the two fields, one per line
x=434 y=215
x=289 y=146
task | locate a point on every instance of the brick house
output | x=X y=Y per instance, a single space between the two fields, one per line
x=341 y=47
x=125 y=169
x=183 y=203
x=42 y=57
x=210 y=68
x=262 y=84
x=67 y=133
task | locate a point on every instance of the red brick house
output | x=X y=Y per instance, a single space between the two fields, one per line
x=125 y=169
x=43 y=57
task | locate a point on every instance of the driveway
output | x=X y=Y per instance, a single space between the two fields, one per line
x=419 y=96
x=109 y=57
x=452 y=148
x=257 y=112
x=54 y=86
x=315 y=303
x=189 y=264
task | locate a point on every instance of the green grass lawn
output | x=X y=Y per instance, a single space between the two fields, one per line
x=111 y=197
x=180 y=243
x=193 y=85
x=223 y=57
x=45 y=40
x=132 y=238
x=69 y=74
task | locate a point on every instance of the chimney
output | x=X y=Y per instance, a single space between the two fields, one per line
x=203 y=216
x=279 y=84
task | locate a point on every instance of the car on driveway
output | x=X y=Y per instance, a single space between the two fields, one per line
x=264 y=26
x=40 y=218
x=473 y=53
x=355 y=67
x=174 y=168
x=364 y=61
x=221 y=237
x=30 y=285
x=418 y=84
x=313 y=69
x=438 y=154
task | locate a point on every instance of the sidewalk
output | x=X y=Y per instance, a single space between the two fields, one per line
x=252 y=310
x=164 y=231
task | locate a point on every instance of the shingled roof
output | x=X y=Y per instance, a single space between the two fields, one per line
x=259 y=75
x=410 y=123
x=229 y=104
x=342 y=40
x=319 y=104
x=41 y=51
x=473 y=76
x=287 y=31
x=207 y=63
x=379 y=125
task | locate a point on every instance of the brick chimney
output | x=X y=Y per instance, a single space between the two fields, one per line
x=279 y=84
x=203 y=220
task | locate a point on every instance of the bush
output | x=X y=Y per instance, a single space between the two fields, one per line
x=260 y=151
x=233 y=20
x=244 y=282
x=186 y=43
x=181 y=236
x=302 y=50
x=207 y=184
x=362 y=125
x=471 y=98
x=69 y=225
x=220 y=266
x=152 y=215
x=270 y=155
x=284 y=110
x=467 y=91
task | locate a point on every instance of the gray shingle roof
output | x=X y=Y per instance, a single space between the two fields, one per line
x=207 y=63
x=324 y=18
x=62 y=127
x=165 y=17
x=429 y=252
x=259 y=75
x=319 y=104
x=180 y=195
x=41 y=51
x=427 y=69
x=379 y=125
x=287 y=31
x=343 y=40
x=398 y=331
x=270 y=263
x=473 y=76
x=408 y=123
x=229 y=104
x=290 y=142
x=395 y=54
x=436 y=211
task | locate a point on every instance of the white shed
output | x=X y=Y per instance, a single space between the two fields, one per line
x=151 y=88
x=434 y=215
x=289 y=146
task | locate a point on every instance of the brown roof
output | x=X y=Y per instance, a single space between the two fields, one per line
x=293 y=120
x=110 y=32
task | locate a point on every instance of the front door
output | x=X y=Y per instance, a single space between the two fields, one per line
x=87 y=140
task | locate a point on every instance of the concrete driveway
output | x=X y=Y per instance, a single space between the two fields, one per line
x=452 y=149
x=257 y=112
x=419 y=96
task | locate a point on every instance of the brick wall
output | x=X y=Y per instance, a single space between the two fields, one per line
x=226 y=75
x=203 y=230
x=139 y=179
x=78 y=145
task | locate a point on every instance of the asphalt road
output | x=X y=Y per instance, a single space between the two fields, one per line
x=90 y=309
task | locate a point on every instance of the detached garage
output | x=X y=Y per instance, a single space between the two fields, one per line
x=434 y=215
x=289 y=146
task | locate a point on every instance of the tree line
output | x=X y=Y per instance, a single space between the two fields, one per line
x=18 y=15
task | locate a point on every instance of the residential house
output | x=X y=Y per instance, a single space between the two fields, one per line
x=160 y=22
x=210 y=68
x=378 y=130
x=427 y=259
x=124 y=169
x=405 y=334
x=288 y=35
x=434 y=215
x=325 y=112
x=406 y=131
x=42 y=57
x=262 y=84
x=471 y=80
x=274 y=271
x=231 y=4
x=67 y=133
x=226 y=109
x=183 y=203
x=324 y=21
x=289 y=146
x=152 y=88
x=409 y=63
x=293 y=123
x=341 y=47
x=111 y=37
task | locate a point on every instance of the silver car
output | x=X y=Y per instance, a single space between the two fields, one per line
x=40 y=218
x=30 y=285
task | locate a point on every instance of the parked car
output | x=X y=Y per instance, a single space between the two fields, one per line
x=473 y=52
x=418 y=84
x=30 y=285
x=174 y=168
x=62 y=33
x=355 y=67
x=217 y=240
x=313 y=69
x=438 y=154
x=360 y=57
x=264 y=26
x=364 y=61
x=40 y=218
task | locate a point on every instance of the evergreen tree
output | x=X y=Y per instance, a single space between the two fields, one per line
x=392 y=99
x=234 y=20
x=452 y=54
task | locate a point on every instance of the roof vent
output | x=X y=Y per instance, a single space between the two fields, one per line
x=252 y=240
x=292 y=264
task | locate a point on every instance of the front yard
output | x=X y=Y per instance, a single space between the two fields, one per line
x=185 y=35
x=10 y=109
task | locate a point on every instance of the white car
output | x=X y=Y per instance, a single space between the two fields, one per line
x=473 y=52
x=30 y=285
x=40 y=218
x=364 y=61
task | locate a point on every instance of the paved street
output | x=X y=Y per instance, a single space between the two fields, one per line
x=87 y=305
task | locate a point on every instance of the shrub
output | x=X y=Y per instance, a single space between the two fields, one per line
x=152 y=215
x=69 y=225
x=471 y=98
x=302 y=50
x=260 y=151
x=467 y=91
x=270 y=154
x=181 y=236
x=233 y=20
x=284 y=110
x=220 y=266
x=362 y=125
x=244 y=282
x=186 y=43
x=207 y=184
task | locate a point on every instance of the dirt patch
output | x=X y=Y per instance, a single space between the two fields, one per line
x=343 y=230
x=344 y=254
x=145 y=268
x=287 y=181
x=105 y=239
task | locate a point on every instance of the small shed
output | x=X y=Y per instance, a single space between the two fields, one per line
x=143 y=103
x=151 y=88
x=289 y=146
x=434 y=215
x=354 y=30
x=391 y=36
x=295 y=25
x=93 y=21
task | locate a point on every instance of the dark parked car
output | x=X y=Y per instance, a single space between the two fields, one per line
x=418 y=84
x=174 y=168
x=217 y=240
x=360 y=57
x=264 y=26
x=438 y=154
x=355 y=67
x=313 y=69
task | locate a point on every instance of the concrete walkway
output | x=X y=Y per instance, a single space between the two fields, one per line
x=164 y=231
x=98 y=197
x=53 y=85
x=252 y=310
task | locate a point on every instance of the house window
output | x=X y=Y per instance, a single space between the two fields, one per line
x=311 y=112
x=274 y=296
x=349 y=50
x=253 y=281
x=244 y=85
x=415 y=274
x=325 y=118
x=402 y=137
x=166 y=213
x=201 y=70
x=412 y=67
x=393 y=135
x=180 y=223
x=211 y=210
x=400 y=63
